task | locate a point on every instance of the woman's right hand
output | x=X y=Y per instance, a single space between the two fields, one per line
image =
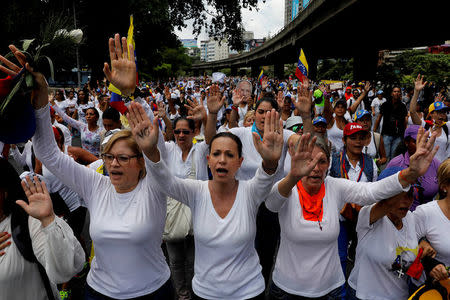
x=4 y=237
x=122 y=73
x=439 y=272
x=419 y=84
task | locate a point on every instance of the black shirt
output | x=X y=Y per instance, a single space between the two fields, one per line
x=394 y=116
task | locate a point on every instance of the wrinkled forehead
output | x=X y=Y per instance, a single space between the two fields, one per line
x=245 y=85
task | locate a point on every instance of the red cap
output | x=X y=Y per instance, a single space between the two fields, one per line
x=352 y=128
x=348 y=88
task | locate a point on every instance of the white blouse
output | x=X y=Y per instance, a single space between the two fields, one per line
x=54 y=246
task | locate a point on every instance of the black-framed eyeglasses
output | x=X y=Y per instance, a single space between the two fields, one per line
x=296 y=128
x=122 y=159
x=185 y=132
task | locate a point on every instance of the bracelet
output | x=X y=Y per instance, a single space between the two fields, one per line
x=234 y=108
x=404 y=179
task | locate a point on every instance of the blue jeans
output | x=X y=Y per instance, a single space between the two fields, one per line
x=278 y=294
x=351 y=294
x=343 y=252
x=390 y=145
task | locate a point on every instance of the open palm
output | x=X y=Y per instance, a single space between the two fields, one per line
x=271 y=146
x=304 y=99
x=144 y=132
x=39 y=204
x=215 y=100
x=425 y=151
x=122 y=73
x=302 y=160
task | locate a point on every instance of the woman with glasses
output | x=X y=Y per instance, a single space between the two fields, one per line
x=127 y=211
x=308 y=206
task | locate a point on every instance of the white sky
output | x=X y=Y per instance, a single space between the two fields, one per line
x=268 y=20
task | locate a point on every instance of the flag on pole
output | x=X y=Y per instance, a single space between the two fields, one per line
x=116 y=100
x=302 y=67
x=261 y=75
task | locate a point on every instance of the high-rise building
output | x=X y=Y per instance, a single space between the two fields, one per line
x=211 y=50
x=291 y=9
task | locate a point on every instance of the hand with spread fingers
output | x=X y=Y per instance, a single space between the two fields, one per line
x=122 y=73
x=302 y=161
x=238 y=97
x=439 y=272
x=215 y=100
x=197 y=112
x=280 y=99
x=304 y=99
x=425 y=151
x=4 y=242
x=419 y=84
x=271 y=146
x=39 y=204
x=144 y=132
x=40 y=91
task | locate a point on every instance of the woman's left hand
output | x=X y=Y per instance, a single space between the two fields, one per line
x=39 y=204
x=422 y=158
x=271 y=146
x=439 y=272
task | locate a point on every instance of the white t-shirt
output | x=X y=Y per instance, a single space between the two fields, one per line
x=335 y=135
x=252 y=159
x=376 y=104
x=126 y=228
x=66 y=133
x=435 y=226
x=351 y=101
x=71 y=104
x=182 y=169
x=55 y=247
x=226 y=263
x=379 y=245
x=242 y=111
x=308 y=262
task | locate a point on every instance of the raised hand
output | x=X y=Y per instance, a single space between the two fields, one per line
x=215 y=100
x=161 y=110
x=302 y=161
x=271 y=146
x=422 y=158
x=4 y=237
x=367 y=87
x=304 y=99
x=144 y=132
x=419 y=84
x=122 y=73
x=40 y=90
x=439 y=272
x=197 y=111
x=167 y=93
x=264 y=82
x=280 y=99
x=39 y=204
x=238 y=97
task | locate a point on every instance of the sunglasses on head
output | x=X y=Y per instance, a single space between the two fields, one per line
x=178 y=131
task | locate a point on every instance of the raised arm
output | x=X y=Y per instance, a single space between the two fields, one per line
x=214 y=102
x=238 y=97
x=53 y=242
x=303 y=105
x=72 y=122
x=361 y=97
x=419 y=85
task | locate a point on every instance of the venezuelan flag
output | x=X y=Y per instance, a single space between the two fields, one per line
x=261 y=75
x=302 y=67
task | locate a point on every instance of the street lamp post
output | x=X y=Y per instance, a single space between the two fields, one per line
x=76 y=49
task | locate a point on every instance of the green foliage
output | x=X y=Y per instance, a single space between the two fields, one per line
x=335 y=69
x=174 y=62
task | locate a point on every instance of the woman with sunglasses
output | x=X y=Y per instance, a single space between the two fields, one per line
x=308 y=207
x=127 y=212
x=267 y=226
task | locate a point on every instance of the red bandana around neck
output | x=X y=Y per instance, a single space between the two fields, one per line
x=312 y=206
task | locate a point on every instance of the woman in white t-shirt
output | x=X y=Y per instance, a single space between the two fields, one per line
x=308 y=262
x=126 y=210
x=433 y=223
x=223 y=209
x=387 y=248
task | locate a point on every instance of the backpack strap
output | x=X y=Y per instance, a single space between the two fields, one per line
x=21 y=236
x=377 y=141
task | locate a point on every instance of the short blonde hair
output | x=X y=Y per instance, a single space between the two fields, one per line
x=443 y=173
x=126 y=136
x=250 y=113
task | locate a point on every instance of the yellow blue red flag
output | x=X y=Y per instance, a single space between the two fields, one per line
x=302 y=67
x=261 y=75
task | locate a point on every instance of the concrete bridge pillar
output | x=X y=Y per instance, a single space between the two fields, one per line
x=365 y=64
x=234 y=71
x=278 y=69
x=255 y=70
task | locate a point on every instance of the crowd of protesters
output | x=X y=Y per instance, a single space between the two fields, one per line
x=219 y=187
